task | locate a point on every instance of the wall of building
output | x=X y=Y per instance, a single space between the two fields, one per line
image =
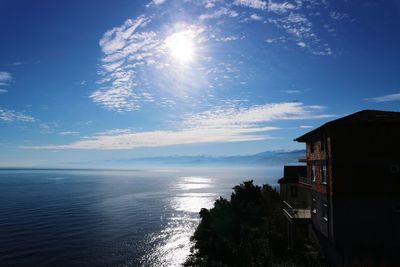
x=319 y=223
x=301 y=200
x=363 y=189
x=366 y=186
x=318 y=154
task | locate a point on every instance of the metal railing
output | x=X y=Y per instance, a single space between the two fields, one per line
x=299 y=211
x=304 y=180
x=303 y=159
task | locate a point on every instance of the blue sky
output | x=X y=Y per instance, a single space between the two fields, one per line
x=83 y=82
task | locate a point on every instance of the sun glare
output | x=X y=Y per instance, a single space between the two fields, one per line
x=181 y=46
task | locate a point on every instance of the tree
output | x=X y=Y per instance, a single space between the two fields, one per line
x=247 y=230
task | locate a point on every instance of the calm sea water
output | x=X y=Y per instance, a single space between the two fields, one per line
x=107 y=218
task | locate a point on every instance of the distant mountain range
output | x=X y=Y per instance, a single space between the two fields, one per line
x=267 y=159
x=264 y=158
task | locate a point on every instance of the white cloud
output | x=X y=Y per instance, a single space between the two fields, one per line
x=18 y=63
x=114 y=132
x=210 y=3
x=73 y=133
x=229 y=124
x=158 y=2
x=384 y=98
x=306 y=126
x=301 y=30
x=227 y=39
x=131 y=53
x=135 y=59
x=297 y=18
x=301 y=44
x=256 y=4
x=256 y=17
x=155 y=3
x=223 y=11
x=11 y=115
x=280 y=7
x=117 y=38
x=338 y=16
x=124 y=50
x=292 y=91
x=256 y=114
x=5 y=78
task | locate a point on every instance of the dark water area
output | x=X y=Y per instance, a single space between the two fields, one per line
x=107 y=218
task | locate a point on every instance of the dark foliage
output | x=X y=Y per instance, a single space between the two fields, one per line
x=248 y=230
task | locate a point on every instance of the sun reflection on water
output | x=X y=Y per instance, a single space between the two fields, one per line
x=172 y=244
x=193 y=202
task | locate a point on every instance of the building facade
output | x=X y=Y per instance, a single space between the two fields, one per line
x=353 y=176
x=295 y=202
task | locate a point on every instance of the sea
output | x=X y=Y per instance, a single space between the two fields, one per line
x=138 y=217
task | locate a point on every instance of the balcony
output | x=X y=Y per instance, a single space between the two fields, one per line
x=299 y=213
x=303 y=159
x=305 y=181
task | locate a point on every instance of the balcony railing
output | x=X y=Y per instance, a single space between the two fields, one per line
x=303 y=159
x=296 y=211
x=304 y=180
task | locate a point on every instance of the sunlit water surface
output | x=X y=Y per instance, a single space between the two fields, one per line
x=107 y=218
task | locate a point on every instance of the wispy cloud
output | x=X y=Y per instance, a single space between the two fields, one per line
x=12 y=115
x=223 y=11
x=301 y=30
x=131 y=55
x=158 y=2
x=256 y=17
x=114 y=132
x=227 y=38
x=223 y=124
x=338 y=16
x=136 y=61
x=229 y=117
x=210 y=3
x=292 y=92
x=256 y=4
x=155 y=3
x=71 y=133
x=281 y=7
x=124 y=49
x=5 y=78
x=18 y=63
x=384 y=98
x=271 y=6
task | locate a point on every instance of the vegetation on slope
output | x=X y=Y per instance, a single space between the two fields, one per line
x=247 y=230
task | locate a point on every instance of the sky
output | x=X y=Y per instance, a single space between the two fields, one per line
x=86 y=82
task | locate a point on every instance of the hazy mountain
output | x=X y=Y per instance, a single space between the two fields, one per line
x=264 y=158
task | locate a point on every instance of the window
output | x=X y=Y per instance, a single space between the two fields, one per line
x=293 y=191
x=322 y=145
x=313 y=173
x=324 y=174
x=314 y=205
x=311 y=147
x=324 y=211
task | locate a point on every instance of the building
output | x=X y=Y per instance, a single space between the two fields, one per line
x=353 y=176
x=295 y=201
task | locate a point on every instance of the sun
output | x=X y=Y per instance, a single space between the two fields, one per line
x=181 y=46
